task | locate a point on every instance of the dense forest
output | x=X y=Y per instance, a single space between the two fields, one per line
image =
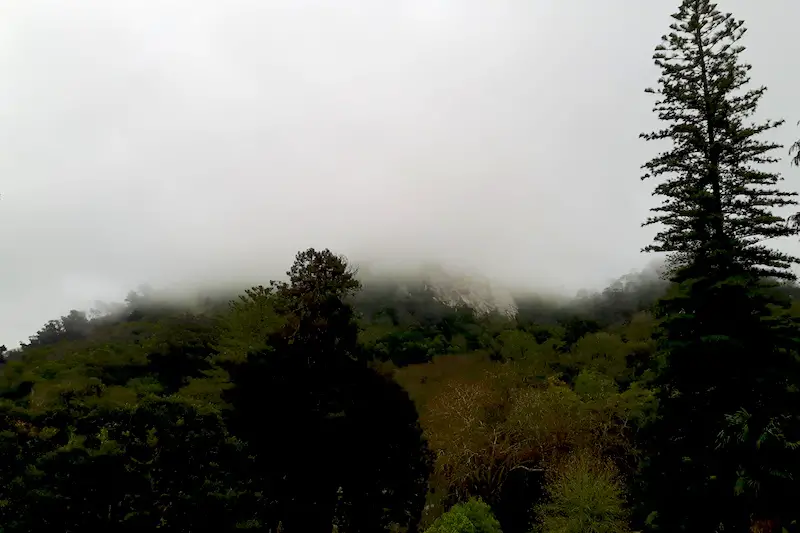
x=328 y=402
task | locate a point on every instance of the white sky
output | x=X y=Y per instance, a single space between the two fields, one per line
x=173 y=141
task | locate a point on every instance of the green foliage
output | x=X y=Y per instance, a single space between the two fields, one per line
x=473 y=516
x=172 y=465
x=275 y=361
x=139 y=398
x=584 y=495
x=604 y=353
x=499 y=429
x=71 y=327
x=503 y=404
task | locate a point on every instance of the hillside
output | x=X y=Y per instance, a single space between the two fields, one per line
x=430 y=335
x=502 y=398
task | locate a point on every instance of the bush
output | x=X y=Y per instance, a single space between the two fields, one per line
x=585 y=496
x=473 y=516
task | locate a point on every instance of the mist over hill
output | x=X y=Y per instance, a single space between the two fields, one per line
x=428 y=289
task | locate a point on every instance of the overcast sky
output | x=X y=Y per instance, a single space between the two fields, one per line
x=167 y=141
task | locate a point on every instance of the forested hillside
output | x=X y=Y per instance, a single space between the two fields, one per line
x=667 y=402
x=428 y=402
x=218 y=412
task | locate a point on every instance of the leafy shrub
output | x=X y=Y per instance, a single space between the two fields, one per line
x=585 y=496
x=474 y=516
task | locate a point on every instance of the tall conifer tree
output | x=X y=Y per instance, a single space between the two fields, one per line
x=723 y=454
x=719 y=202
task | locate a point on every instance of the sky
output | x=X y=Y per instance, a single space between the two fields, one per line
x=198 y=141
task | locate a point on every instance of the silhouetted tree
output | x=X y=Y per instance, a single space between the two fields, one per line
x=306 y=406
x=722 y=451
x=383 y=458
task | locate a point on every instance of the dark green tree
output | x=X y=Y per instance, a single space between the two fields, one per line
x=71 y=327
x=161 y=464
x=328 y=434
x=722 y=452
x=383 y=458
x=185 y=348
x=718 y=203
x=473 y=516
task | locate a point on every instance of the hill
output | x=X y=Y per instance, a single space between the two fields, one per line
x=466 y=390
x=432 y=334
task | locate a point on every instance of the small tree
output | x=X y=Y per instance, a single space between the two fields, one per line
x=585 y=495
x=473 y=516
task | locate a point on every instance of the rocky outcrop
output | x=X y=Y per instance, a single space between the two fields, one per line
x=452 y=289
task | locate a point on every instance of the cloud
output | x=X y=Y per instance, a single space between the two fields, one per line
x=166 y=141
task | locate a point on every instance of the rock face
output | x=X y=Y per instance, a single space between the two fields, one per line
x=477 y=292
x=453 y=289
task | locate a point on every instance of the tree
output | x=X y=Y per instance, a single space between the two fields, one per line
x=314 y=302
x=726 y=349
x=159 y=464
x=584 y=494
x=311 y=412
x=473 y=516
x=71 y=327
x=494 y=437
x=183 y=351
x=718 y=206
x=383 y=457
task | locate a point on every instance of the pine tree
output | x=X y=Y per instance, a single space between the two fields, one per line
x=718 y=205
x=723 y=450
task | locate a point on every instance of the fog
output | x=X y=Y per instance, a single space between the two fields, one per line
x=201 y=141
